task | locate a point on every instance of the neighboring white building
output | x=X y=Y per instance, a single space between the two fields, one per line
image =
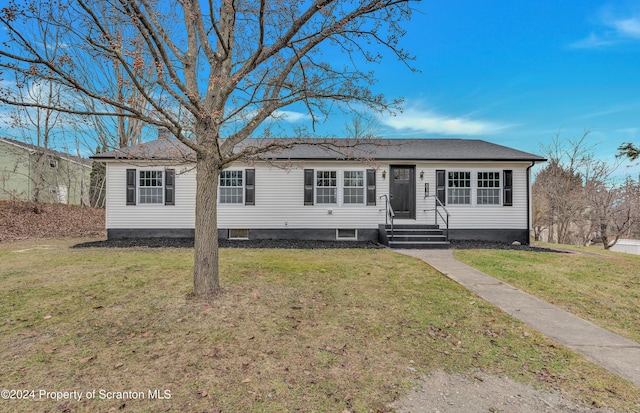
x=314 y=192
x=630 y=246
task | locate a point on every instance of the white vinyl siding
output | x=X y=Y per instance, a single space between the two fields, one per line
x=482 y=216
x=279 y=194
x=119 y=215
x=279 y=199
x=473 y=216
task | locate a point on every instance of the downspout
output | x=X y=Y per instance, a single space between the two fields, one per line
x=529 y=202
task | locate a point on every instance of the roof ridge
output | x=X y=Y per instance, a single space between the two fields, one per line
x=59 y=154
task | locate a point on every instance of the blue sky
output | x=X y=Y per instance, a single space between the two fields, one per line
x=517 y=72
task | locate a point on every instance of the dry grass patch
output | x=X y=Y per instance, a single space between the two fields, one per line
x=315 y=330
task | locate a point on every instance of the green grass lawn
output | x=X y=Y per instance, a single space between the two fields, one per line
x=296 y=330
x=600 y=286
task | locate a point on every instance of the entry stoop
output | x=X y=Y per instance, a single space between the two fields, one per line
x=413 y=236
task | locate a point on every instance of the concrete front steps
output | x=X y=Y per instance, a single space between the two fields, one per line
x=413 y=236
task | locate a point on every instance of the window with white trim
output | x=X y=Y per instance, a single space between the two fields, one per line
x=347 y=233
x=326 y=187
x=239 y=233
x=488 y=192
x=150 y=187
x=459 y=188
x=353 y=187
x=231 y=189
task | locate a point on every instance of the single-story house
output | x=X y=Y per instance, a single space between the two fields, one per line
x=429 y=190
x=31 y=173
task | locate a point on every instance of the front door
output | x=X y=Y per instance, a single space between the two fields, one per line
x=402 y=191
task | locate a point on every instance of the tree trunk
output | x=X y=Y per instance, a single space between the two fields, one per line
x=205 y=270
x=38 y=181
x=604 y=236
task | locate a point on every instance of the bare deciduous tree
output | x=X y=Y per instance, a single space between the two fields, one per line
x=558 y=188
x=612 y=206
x=38 y=126
x=362 y=126
x=220 y=69
x=579 y=197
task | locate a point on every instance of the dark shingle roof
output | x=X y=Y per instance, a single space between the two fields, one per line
x=341 y=149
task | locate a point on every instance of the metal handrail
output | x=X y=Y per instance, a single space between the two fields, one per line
x=389 y=213
x=438 y=213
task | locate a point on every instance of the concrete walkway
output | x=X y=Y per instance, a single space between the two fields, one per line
x=617 y=354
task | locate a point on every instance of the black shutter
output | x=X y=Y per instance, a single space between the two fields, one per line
x=507 y=188
x=371 y=187
x=441 y=186
x=170 y=187
x=250 y=187
x=308 y=186
x=131 y=186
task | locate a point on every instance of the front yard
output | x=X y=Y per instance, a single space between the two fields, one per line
x=296 y=330
x=600 y=286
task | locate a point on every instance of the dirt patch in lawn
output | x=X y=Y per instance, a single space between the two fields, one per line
x=456 y=393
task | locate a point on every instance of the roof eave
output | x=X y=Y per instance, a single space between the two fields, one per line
x=411 y=159
x=535 y=160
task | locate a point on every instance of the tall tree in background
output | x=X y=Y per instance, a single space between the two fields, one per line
x=557 y=201
x=220 y=69
x=38 y=125
x=558 y=188
x=579 y=197
x=120 y=131
x=611 y=202
x=613 y=205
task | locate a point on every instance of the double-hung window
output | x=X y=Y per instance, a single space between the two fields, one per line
x=353 y=187
x=459 y=188
x=150 y=187
x=488 y=188
x=326 y=187
x=346 y=187
x=231 y=187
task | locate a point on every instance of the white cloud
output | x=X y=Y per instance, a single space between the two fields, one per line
x=615 y=28
x=591 y=42
x=427 y=121
x=631 y=131
x=621 y=107
x=628 y=27
x=290 y=116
